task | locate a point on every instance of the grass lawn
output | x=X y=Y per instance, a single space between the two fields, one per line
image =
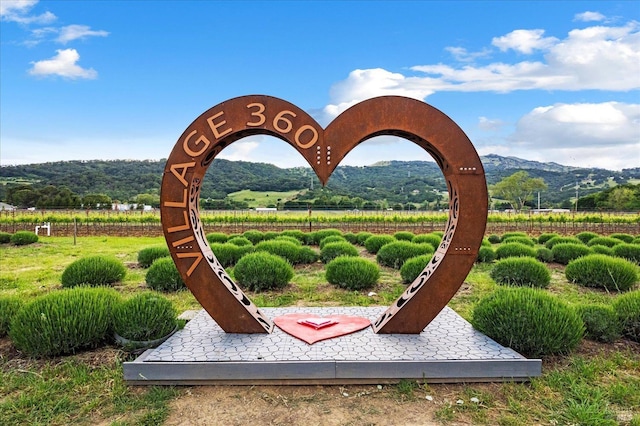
x=598 y=384
x=263 y=198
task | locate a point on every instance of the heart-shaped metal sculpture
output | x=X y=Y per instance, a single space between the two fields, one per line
x=323 y=149
x=339 y=325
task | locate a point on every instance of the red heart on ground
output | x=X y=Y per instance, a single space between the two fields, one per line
x=345 y=324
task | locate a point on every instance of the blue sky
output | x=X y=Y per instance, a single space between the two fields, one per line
x=547 y=80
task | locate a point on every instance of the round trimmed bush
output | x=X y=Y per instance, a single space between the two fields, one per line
x=261 y=271
x=413 y=267
x=331 y=239
x=362 y=237
x=314 y=238
x=351 y=237
x=295 y=233
x=270 y=235
x=521 y=271
x=229 y=254
x=63 y=322
x=145 y=316
x=600 y=322
x=560 y=240
x=486 y=255
x=602 y=271
x=217 y=237
x=564 y=253
x=494 y=239
x=93 y=271
x=485 y=242
x=293 y=240
x=404 y=236
x=625 y=238
x=604 y=241
x=295 y=254
x=5 y=238
x=636 y=240
x=146 y=256
x=9 y=306
x=333 y=250
x=522 y=240
x=254 y=236
x=513 y=234
x=240 y=241
x=529 y=320
x=163 y=275
x=602 y=250
x=543 y=254
x=586 y=236
x=627 y=308
x=514 y=250
x=306 y=255
x=432 y=239
x=352 y=273
x=543 y=238
x=395 y=254
x=375 y=242
x=627 y=251
x=23 y=238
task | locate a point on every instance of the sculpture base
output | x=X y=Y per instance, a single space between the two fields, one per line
x=448 y=350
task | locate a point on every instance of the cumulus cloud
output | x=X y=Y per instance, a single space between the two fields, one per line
x=524 y=41
x=489 y=124
x=589 y=17
x=75 y=32
x=63 y=64
x=18 y=11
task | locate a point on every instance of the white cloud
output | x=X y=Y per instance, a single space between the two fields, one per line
x=589 y=17
x=240 y=151
x=488 y=124
x=17 y=11
x=462 y=55
x=64 y=65
x=74 y=32
x=524 y=41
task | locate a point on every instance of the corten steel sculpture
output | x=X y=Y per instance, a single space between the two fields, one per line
x=323 y=149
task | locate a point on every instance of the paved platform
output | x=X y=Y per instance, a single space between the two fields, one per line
x=448 y=350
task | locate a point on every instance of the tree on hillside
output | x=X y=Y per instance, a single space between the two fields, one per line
x=517 y=189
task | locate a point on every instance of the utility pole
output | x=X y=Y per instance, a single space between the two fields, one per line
x=577 y=186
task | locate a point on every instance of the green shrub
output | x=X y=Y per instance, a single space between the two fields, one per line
x=240 y=241
x=543 y=238
x=145 y=316
x=431 y=238
x=295 y=233
x=352 y=273
x=514 y=250
x=146 y=256
x=600 y=322
x=604 y=241
x=602 y=271
x=602 y=250
x=413 y=267
x=229 y=254
x=351 y=237
x=529 y=321
x=586 y=236
x=564 y=253
x=293 y=240
x=270 y=235
x=636 y=240
x=295 y=254
x=486 y=255
x=543 y=254
x=375 y=242
x=625 y=238
x=306 y=255
x=395 y=254
x=522 y=240
x=560 y=240
x=314 y=238
x=404 y=236
x=163 y=275
x=627 y=251
x=5 y=237
x=521 y=271
x=263 y=271
x=254 y=236
x=93 y=271
x=485 y=242
x=23 y=238
x=217 y=237
x=627 y=308
x=333 y=250
x=495 y=239
x=63 y=322
x=9 y=306
x=331 y=239
x=362 y=237
x=513 y=234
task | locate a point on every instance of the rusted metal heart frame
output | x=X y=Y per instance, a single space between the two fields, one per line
x=244 y=116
